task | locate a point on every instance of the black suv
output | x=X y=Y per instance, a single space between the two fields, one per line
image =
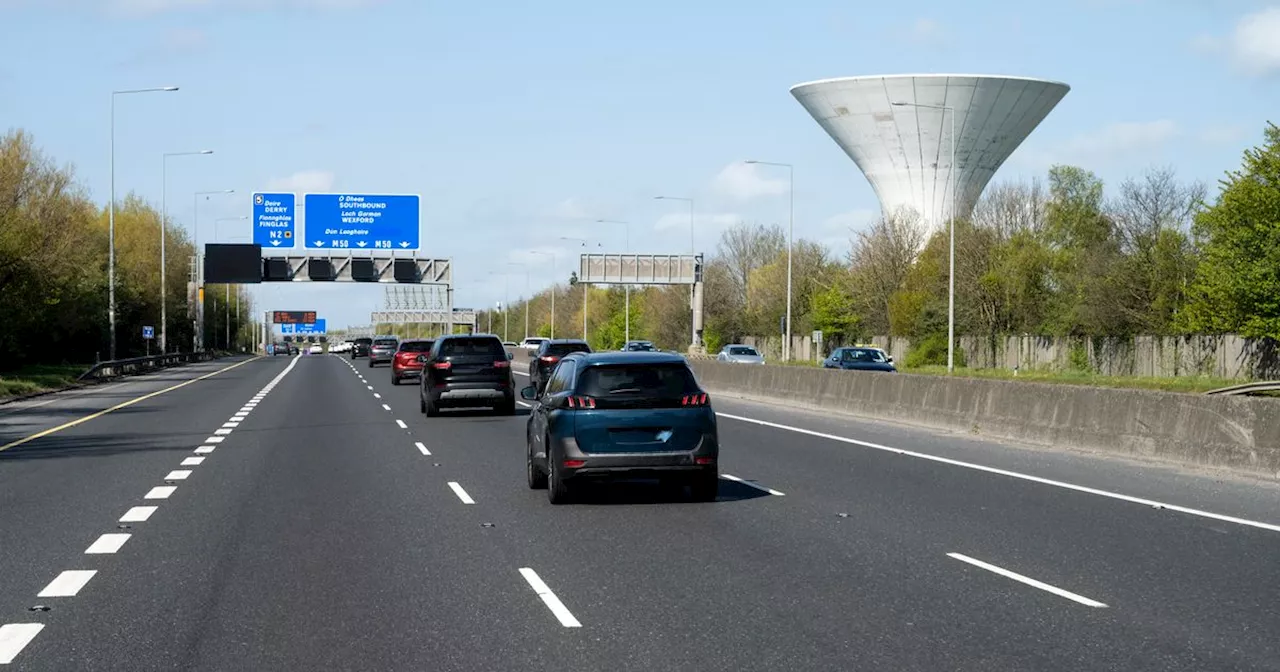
x=548 y=355
x=360 y=347
x=466 y=371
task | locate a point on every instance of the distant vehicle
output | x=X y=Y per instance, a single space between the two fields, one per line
x=639 y=346
x=316 y=349
x=740 y=354
x=280 y=349
x=860 y=358
x=383 y=350
x=467 y=371
x=614 y=414
x=406 y=364
x=360 y=347
x=533 y=342
x=548 y=354
x=509 y=344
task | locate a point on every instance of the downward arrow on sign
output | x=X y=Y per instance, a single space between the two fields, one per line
x=404 y=244
x=275 y=243
x=319 y=243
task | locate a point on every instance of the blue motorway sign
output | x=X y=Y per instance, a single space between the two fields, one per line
x=361 y=221
x=273 y=219
x=317 y=327
x=148 y=332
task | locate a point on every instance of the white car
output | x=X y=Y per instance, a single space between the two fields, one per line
x=533 y=342
x=316 y=349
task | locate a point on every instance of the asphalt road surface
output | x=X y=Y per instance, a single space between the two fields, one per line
x=301 y=514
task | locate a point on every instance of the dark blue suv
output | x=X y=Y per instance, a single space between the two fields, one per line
x=621 y=414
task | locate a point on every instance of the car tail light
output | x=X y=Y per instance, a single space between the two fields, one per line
x=442 y=366
x=550 y=359
x=582 y=402
x=574 y=464
x=502 y=364
x=695 y=400
x=704 y=460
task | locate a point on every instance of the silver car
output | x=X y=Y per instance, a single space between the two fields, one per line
x=383 y=350
x=740 y=354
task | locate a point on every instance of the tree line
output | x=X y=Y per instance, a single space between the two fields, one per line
x=1058 y=256
x=53 y=270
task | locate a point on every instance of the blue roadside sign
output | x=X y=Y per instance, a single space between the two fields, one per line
x=274 y=220
x=148 y=332
x=317 y=327
x=362 y=221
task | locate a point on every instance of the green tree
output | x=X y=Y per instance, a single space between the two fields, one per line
x=1237 y=284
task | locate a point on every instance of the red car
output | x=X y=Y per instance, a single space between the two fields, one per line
x=405 y=363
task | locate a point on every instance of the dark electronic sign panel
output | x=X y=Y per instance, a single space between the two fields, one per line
x=293 y=316
x=232 y=263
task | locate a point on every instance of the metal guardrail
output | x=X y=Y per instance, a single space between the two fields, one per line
x=124 y=367
x=1248 y=388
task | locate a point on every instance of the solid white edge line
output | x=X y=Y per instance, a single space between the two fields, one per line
x=549 y=598
x=421 y=448
x=138 y=514
x=160 y=492
x=401 y=423
x=107 y=544
x=386 y=407
x=1028 y=581
x=14 y=637
x=462 y=494
x=68 y=583
x=1013 y=474
x=757 y=486
x=178 y=475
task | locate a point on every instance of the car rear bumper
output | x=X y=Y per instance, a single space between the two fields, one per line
x=469 y=394
x=705 y=457
x=405 y=372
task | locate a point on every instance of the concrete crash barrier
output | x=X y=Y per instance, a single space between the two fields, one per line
x=1234 y=433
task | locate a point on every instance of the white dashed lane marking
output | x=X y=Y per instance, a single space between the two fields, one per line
x=161 y=492
x=107 y=544
x=178 y=475
x=422 y=449
x=549 y=598
x=193 y=462
x=462 y=494
x=401 y=424
x=752 y=484
x=138 y=514
x=1028 y=581
x=205 y=450
x=14 y=637
x=215 y=439
x=68 y=583
x=386 y=407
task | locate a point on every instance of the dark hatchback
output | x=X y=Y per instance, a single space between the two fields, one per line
x=463 y=371
x=360 y=347
x=859 y=359
x=548 y=354
x=615 y=414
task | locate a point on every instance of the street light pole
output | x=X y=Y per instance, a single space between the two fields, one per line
x=195 y=236
x=553 y=288
x=164 y=225
x=626 y=287
x=583 y=242
x=791 y=236
x=111 y=218
x=951 y=234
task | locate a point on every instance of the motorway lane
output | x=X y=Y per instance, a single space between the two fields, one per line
x=316 y=536
x=60 y=492
x=1172 y=609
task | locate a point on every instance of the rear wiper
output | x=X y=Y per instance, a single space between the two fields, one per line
x=626 y=390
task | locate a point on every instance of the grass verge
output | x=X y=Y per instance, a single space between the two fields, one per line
x=39 y=378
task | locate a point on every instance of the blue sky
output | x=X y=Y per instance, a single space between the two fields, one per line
x=521 y=122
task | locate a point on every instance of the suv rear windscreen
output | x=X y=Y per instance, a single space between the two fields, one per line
x=363 y=341
x=385 y=343
x=415 y=346
x=745 y=351
x=637 y=380
x=473 y=347
x=562 y=349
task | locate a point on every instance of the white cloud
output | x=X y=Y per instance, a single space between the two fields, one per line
x=570 y=208
x=1122 y=139
x=1224 y=134
x=306 y=181
x=1255 y=44
x=743 y=181
x=926 y=32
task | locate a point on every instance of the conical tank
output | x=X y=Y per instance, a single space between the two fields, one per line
x=897 y=129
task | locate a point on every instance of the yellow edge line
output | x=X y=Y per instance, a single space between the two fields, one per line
x=119 y=406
